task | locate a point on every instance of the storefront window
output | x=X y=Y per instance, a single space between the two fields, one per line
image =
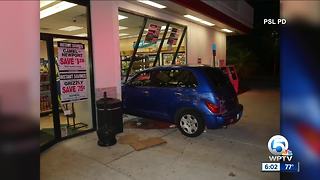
x=149 y=46
x=170 y=46
x=130 y=26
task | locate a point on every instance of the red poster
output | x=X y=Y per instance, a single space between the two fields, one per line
x=153 y=34
x=173 y=38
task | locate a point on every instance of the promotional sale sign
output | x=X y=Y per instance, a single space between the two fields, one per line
x=71 y=56
x=173 y=38
x=73 y=87
x=72 y=72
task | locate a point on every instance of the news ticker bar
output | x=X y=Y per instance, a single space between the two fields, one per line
x=280 y=167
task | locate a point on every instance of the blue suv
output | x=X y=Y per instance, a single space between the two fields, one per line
x=192 y=97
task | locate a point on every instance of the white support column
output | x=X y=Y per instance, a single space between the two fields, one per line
x=20 y=58
x=106 y=51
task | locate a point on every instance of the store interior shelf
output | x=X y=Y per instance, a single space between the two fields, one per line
x=46 y=111
x=44 y=82
x=49 y=111
x=45 y=92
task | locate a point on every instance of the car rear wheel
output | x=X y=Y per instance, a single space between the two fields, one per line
x=190 y=123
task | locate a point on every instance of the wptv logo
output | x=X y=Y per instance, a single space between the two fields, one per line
x=281 y=159
x=278 y=146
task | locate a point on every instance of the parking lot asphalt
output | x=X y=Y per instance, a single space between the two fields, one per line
x=232 y=153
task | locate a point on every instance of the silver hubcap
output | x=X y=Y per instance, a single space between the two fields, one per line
x=189 y=123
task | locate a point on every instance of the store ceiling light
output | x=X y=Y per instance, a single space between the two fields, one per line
x=58 y=39
x=122 y=28
x=227 y=30
x=71 y=28
x=82 y=35
x=198 y=20
x=120 y=17
x=131 y=36
x=56 y=8
x=164 y=27
x=153 y=4
x=123 y=34
x=44 y=3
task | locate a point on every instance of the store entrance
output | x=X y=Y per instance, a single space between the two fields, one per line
x=65 y=88
x=48 y=133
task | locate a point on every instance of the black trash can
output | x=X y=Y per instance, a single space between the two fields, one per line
x=110 y=120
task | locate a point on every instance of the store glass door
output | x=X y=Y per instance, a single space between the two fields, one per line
x=66 y=103
x=47 y=132
x=73 y=81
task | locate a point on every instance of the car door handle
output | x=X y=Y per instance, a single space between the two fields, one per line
x=178 y=94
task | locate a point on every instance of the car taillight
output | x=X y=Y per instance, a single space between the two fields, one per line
x=212 y=107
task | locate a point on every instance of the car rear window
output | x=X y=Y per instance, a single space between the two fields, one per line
x=216 y=77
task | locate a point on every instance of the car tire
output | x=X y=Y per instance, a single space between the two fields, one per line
x=190 y=123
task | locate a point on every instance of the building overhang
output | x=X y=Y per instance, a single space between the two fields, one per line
x=211 y=12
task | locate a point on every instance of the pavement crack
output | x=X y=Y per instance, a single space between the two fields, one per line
x=167 y=134
x=120 y=157
x=123 y=173
x=106 y=164
x=180 y=156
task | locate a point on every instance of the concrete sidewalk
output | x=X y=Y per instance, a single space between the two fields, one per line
x=232 y=153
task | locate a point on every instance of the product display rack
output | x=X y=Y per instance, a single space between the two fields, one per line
x=168 y=57
x=45 y=93
x=124 y=66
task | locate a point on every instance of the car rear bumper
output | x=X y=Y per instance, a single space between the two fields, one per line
x=216 y=121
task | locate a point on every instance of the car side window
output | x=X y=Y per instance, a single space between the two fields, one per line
x=173 y=78
x=184 y=78
x=160 y=78
x=166 y=78
x=142 y=79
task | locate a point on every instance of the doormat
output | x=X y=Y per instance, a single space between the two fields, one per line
x=147 y=124
x=134 y=141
